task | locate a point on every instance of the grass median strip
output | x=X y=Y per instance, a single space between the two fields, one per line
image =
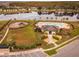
x=51 y=52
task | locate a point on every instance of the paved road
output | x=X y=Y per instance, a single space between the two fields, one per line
x=30 y=53
x=70 y=50
x=34 y=54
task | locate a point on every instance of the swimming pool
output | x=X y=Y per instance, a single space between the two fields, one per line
x=60 y=25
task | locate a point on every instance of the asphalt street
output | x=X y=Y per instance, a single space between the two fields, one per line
x=69 y=50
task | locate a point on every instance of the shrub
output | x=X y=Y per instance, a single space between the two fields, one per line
x=26 y=46
x=44 y=37
x=55 y=37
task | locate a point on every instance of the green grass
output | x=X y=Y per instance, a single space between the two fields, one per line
x=51 y=52
x=24 y=37
x=2 y=23
x=75 y=32
x=47 y=46
x=27 y=37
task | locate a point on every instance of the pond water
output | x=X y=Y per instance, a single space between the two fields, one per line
x=36 y=16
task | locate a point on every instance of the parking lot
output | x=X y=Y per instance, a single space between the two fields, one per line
x=36 y=16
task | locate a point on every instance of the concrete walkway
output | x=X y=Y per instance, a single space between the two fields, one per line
x=4 y=35
x=37 y=52
x=62 y=43
x=50 y=40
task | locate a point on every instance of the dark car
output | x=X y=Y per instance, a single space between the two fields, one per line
x=78 y=16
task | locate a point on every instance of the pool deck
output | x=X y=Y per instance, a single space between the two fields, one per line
x=60 y=25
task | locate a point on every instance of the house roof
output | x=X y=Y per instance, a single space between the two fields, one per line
x=49 y=28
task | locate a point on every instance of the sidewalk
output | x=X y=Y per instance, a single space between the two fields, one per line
x=62 y=43
x=38 y=52
x=4 y=35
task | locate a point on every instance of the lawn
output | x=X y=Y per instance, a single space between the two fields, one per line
x=45 y=45
x=2 y=32
x=51 y=52
x=24 y=37
x=2 y=23
x=75 y=32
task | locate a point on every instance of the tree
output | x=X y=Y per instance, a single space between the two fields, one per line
x=11 y=43
x=39 y=8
